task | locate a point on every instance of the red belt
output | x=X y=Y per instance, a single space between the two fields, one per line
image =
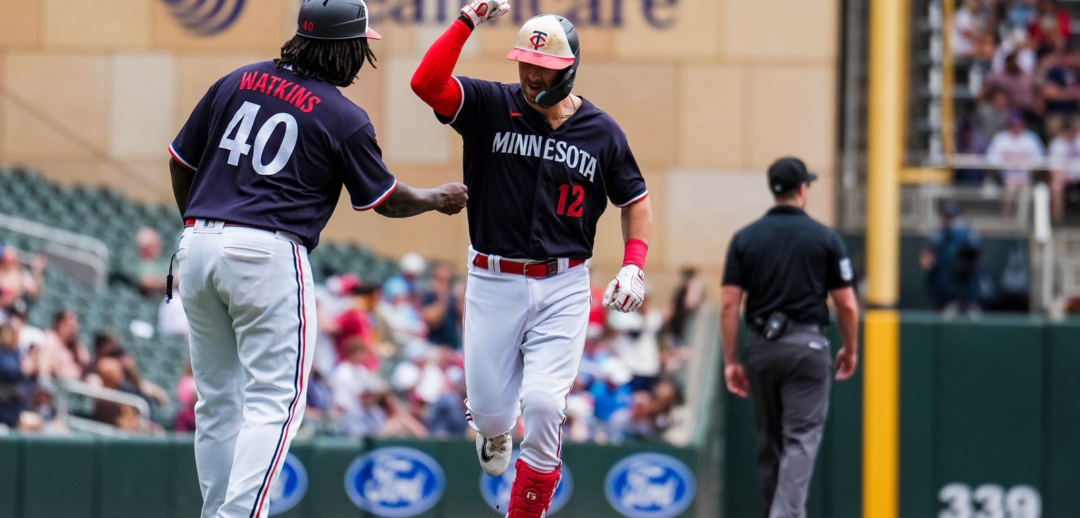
x=191 y=223
x=532 y=270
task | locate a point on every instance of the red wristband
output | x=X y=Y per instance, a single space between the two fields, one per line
x=636 y=250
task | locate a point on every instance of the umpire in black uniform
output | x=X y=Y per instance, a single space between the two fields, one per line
x=787 y=264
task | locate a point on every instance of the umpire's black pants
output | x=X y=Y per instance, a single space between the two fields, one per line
x=789 y=382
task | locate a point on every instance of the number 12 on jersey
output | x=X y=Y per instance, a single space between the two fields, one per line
x=245 y=119
x=575 y=209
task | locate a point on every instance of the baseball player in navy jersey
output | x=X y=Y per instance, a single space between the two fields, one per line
x=257 y=171
x=541 y=165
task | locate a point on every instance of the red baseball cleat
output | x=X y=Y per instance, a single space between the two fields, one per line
x=532 y=492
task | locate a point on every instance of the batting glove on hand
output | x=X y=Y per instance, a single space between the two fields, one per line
x=627 y=291
x=481 y=11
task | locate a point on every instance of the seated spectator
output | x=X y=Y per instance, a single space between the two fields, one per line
x=187 y=395
x=354 y=325
x=1064 y=166
x=612 y=396
x=119 y=415
x=971 y=141
x=441 y=386
x=378 y=414
x=17 y=284
x=412 y=266
x=401 y=313
x=28 y=336
x=1060 y=88
x=12 y=378
x=149 y=273
x=106 y=345
x=1020 y=14
x=441 y=307
x=992 y=117
x=401 y=422
x=352 y=375
x=1016 y=45
x=580 y=410
x=951 y=260
x=320 y=397
x=1052 y=22
x=172 y=320
x=642 y=421
x=967 y=30
x=595 y=355
x=1018 y=149
x=637 y=343
x=1018 y=85
x=688 y=298
x=64 y=356
x=665 y=397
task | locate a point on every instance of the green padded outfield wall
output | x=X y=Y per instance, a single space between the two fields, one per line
x=989 y=426
x=111 y=478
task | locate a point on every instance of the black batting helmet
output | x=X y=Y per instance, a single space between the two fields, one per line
x=335 y=20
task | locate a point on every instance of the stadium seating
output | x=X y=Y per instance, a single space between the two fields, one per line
x=106 y=215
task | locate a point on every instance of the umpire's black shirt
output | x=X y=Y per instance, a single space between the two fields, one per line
x=787 y=262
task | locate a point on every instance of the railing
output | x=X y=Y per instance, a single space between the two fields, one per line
x=83 y=258
x=67 y=388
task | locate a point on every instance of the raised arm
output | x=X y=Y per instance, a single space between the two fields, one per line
x=433 y=81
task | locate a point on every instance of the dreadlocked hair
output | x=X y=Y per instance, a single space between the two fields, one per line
x=334 y=61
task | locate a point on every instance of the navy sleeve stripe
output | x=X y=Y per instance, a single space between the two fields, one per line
x=378 y=201
x=634 y=200
x=178 y=158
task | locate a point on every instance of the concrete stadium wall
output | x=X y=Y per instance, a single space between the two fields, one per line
x=709 y=92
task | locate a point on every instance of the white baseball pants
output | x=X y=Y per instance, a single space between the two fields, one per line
x=523 y=343
x=250 y=302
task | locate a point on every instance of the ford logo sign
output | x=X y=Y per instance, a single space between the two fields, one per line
x=496 y=490
x=395 y=482
x=650 y=485
x=289 y=487
x=206 y=17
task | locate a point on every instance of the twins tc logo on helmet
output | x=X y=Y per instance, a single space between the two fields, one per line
x=496 y=490
x=538 y=39
x=395 y=482
x=650 y=485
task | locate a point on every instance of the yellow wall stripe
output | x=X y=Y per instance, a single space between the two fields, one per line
x=881 y=414
x=885 y=150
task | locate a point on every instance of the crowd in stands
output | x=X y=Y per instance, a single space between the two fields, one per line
x=389 y=362
x=34 y=361
x=1024 y=75
x=388 y=357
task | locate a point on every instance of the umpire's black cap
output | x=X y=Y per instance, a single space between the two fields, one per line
x=787 y=174
x=335 y=20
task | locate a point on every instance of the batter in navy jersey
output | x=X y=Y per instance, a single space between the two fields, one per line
x=541 y=166
x=257 y=171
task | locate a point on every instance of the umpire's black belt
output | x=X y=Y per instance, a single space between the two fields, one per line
x=793 y=328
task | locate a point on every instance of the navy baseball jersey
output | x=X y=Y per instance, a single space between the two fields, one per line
x=534 y=192
x=272 y=150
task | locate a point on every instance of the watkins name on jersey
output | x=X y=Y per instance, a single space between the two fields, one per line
x=549 y=149
x=279 y=88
